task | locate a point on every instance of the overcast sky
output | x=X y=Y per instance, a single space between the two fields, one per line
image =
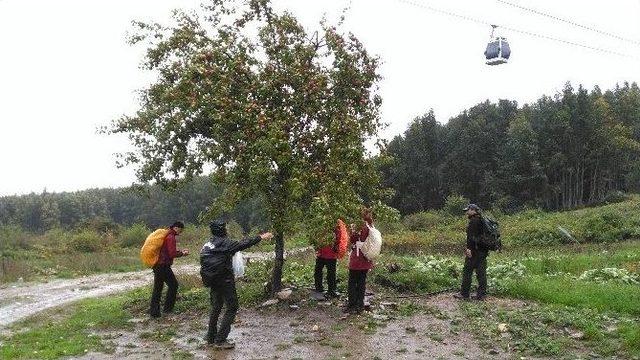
x=65 y=69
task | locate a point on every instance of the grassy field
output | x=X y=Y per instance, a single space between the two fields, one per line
x=563 y=296
x=562 y=309
x=70 y=253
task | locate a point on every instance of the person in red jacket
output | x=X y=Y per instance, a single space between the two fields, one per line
x=359 y=265
x=162 y=272
x=327 y=256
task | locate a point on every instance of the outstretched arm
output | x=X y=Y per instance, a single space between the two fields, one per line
x=248 y=242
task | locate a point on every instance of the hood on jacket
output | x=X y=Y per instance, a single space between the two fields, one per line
x=218 y=228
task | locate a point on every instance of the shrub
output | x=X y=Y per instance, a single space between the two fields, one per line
x=387 y=227
x=423 y=220
x=133 y=236
x=502 y=271
x=426 y=274
x=86 y=241
x=508 y=205
x=53 y=241
x=535 y=232
x=14 y=237
x=100 y=225
x=615 y=197
x=454 y=204
x=603 y=226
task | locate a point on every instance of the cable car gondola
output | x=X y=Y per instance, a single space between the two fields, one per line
x=498 y=50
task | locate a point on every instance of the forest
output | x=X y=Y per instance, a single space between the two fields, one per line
x=573 y=149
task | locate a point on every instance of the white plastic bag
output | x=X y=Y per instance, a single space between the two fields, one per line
x=238 y=264
x=373 y=244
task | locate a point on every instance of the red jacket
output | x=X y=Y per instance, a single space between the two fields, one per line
x=326 y=252
x=168 y=252
x=357 y=260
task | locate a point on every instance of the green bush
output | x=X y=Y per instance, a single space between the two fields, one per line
x=100 y=225
x=613 y=197
x=14 y=237
x=454 y=204
x=54 y=240
x=422 y=275
x=133 y=236
x=603 y=226
x=534 y=232
x=390 y=227
x=508 y=205
x=423 y=220
x=86 y=241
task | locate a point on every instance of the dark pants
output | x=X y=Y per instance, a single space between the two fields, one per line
x=163 y=274
x=477 y=261
x=357 y=282
x=331 y=274
x=223 y=292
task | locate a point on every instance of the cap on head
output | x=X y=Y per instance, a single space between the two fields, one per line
x=177 y=224
x=472 y=207
x=218 y=228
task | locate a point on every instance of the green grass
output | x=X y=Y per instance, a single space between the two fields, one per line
x=546 y=330
x=620 y=298
x=630 y=333
x=47 y=337
x=444 y=234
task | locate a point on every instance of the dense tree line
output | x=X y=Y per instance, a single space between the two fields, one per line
x=561 y=152
x=149 y=205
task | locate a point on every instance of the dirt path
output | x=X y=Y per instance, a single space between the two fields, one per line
x=18 y=301
x=313 y=331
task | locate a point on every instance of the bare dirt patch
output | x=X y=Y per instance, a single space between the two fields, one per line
x=316 y=330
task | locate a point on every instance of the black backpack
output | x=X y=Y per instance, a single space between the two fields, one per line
x=490 y=238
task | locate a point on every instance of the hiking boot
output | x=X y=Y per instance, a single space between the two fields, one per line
x=225 y=345
x=351 y=310
x=461 y=297
x=209 y=339
x=333 y=295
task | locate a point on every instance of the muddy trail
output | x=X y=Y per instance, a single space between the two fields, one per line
x=21 y=300
x=313 y=330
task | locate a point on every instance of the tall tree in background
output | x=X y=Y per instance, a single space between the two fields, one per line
x=415 y=170
x=277 y=110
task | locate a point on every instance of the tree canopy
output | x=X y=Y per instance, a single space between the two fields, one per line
x=273 y=108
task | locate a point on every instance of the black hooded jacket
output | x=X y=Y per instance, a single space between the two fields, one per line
x=216 y=254
x=474 y=232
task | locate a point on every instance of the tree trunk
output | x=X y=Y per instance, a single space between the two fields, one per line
x=276 y=279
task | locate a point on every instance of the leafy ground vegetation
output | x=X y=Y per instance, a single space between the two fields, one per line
x=570 y=293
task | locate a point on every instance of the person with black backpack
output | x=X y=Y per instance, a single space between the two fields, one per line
x=482 y=236
x=217 y=274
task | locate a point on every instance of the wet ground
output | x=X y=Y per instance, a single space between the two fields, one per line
x=317 y=330
x=20 y=300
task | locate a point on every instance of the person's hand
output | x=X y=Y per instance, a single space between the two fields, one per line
x=185 y=252
x=266 y=236
x=467 y=253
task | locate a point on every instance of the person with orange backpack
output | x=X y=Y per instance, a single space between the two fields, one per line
x=162 y=272
x=327 y=256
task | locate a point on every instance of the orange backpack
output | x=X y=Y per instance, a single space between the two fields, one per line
x=343 y=239
x=150 y=252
